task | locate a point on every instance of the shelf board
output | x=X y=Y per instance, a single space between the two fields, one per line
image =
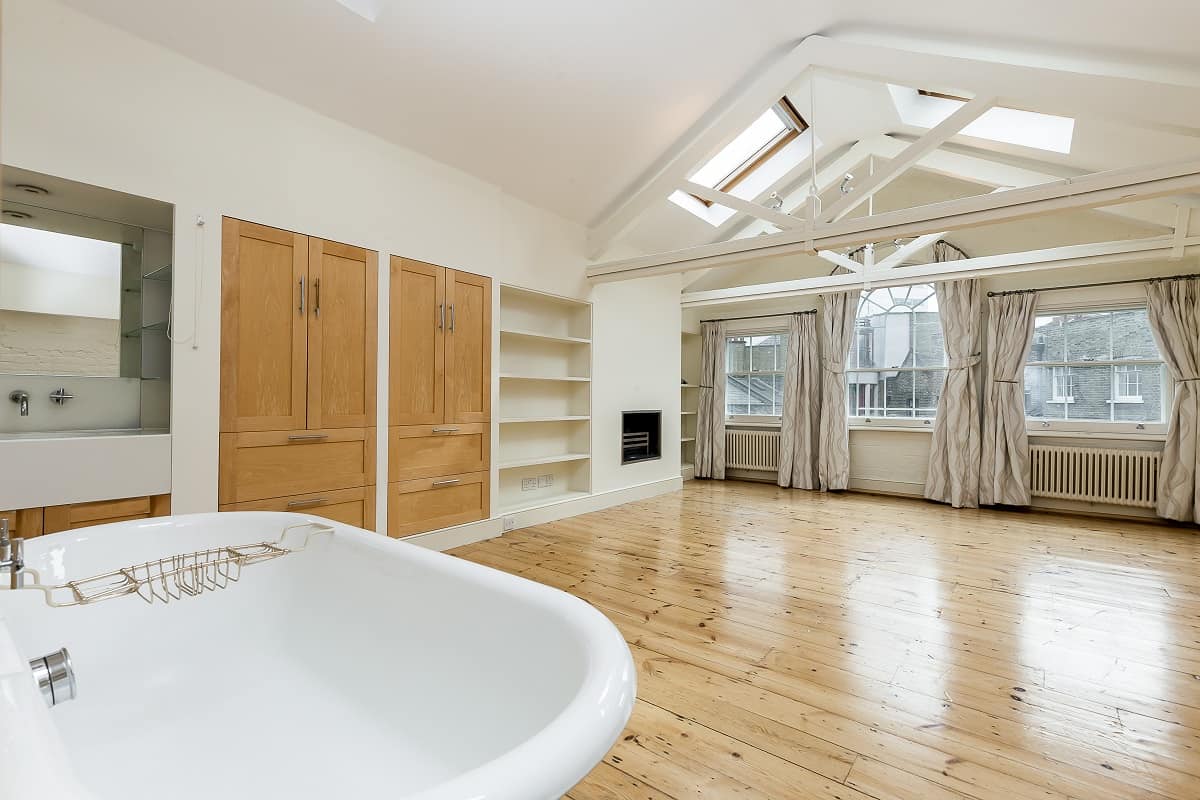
x=546 y=296
x=542 y=501
x=689 y=386
x=508 y=376
x=544 y=336
x=687 y=439
x=532 y=462
x=568 y=418
x=688 y=413
x=153 y=327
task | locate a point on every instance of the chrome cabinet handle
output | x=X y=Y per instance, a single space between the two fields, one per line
x=452 y=318
x=301 y=294
x=316 y=501
x=441 y=315
x=317 y=297
x=307 y=437
x=449 y=482
x=445 y=430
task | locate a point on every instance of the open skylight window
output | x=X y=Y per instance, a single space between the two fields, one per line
x=741 y=167
x=925 y=109
x=765 y=137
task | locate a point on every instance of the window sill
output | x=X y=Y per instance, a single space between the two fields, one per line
x=765 y=423
x=1131 y=400
x=892 y=428
x=1046 y=433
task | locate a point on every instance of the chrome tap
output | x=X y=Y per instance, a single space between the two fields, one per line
x=21 y=398
x=12 y=554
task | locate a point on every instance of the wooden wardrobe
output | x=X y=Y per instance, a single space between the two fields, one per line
x=440 y=393
x=298 y=374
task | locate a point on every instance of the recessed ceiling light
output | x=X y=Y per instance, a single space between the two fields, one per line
x=367 y=9
x=14 y=214
x=29 y=188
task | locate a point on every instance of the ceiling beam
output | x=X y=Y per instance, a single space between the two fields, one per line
x=700 y=143
x=951 y=125
x=840 y=260
x=1098 y=189
x=776 y=218
x=904 y=252
x=1052 y=258
x=1183 y=219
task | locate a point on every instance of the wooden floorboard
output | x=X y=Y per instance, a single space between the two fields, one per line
x=793 y=644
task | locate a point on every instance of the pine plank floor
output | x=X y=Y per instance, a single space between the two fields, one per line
x=791 y=644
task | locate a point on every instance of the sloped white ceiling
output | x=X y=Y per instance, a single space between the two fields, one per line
x=566 y=104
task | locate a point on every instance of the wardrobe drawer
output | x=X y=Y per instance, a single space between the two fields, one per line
x=427 y=504
x=352 y=506
x=261 y=465
x=423 y=451
x=82 y=515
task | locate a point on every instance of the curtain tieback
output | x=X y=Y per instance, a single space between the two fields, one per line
x=833 y=367
x=963 y=363
x=1187 y=380
x=999 y=380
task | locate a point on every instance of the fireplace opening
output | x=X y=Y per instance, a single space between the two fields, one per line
x=641 y=436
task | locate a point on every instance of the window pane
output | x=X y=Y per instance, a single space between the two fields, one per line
x=898 y=394
x=1091 y=392
x=1147 y=379
x=764 y=353
x=762 y=395
x=1047 y=340
x=1131 y=335
x=1088 y=336
x=928 y=389
x=930 y=346
x=736 y=388
x=737 y=354
x=1040 y=401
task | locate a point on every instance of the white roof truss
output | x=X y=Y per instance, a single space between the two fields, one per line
x=1085 y=91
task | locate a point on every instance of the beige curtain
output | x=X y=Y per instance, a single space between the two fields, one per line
x=710 y=417
x=837 y=332
x=1004 y=468
x=1174 y=307
x=953 y=475
x=801 y=423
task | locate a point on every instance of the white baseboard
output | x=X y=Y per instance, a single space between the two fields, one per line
x=902 y=488
x=460 y=535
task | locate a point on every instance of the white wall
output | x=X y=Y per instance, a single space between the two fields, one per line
x=161 y=126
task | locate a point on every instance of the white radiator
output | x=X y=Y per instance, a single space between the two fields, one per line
x=1119 y=477
x=757 y=450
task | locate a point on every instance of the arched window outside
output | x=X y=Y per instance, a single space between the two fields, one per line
x=897 y=361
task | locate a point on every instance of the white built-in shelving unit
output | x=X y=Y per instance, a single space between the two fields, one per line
x=689 y=360
x=545 y=399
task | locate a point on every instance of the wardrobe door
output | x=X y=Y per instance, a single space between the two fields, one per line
x=468 y=347
x=264 y=328
x=342 y=314
x=416 y=357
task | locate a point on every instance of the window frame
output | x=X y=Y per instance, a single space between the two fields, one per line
x=753 y=419
x=1097 y=428
x=883 y=422
x=794 y=126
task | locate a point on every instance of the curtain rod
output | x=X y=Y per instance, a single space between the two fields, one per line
x=762 y=316
x=1091 y=285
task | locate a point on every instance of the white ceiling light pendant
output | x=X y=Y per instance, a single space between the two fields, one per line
x=367 y=9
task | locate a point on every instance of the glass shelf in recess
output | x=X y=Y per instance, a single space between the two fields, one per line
x=163 y=273
x=154 y=327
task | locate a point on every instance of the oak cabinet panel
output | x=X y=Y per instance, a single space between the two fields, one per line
x=426 y=504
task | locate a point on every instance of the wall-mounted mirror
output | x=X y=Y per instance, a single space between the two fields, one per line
x=85 y=295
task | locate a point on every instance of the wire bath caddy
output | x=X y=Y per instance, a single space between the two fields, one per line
x=176 y=576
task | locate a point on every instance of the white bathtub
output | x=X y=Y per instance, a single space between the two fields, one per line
x=359 y=667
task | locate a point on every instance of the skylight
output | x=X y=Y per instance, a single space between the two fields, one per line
x=925 y=109
x=750 y=163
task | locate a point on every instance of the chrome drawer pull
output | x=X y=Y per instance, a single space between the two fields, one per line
x=307 y=437
x=450 y=482
x=445 y=430
x=302 y=503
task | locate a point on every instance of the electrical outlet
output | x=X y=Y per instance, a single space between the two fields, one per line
x=510 y=524
x=545 y=481
x=529 y=484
